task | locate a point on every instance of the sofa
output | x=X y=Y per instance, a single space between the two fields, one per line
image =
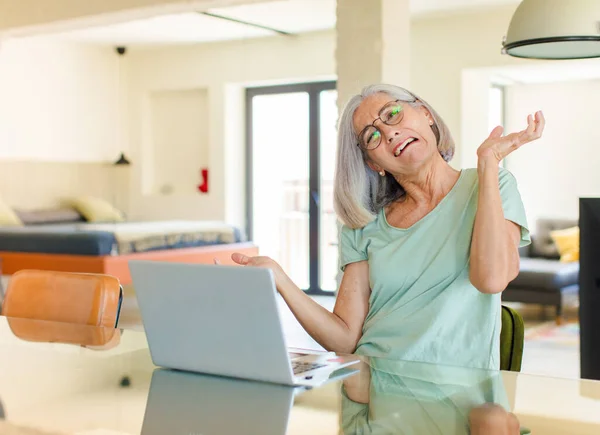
x=543 y=278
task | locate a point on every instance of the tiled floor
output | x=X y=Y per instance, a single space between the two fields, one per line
x=546 y=357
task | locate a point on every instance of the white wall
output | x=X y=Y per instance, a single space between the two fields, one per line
x=563 y=165
x=224 y=70
x=180 y=140
x=58 y=102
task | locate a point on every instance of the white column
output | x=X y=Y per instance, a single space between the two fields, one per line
x=373 y=45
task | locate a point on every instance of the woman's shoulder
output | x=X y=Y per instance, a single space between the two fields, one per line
x=501 y=170
x=357 y=232
x=360 y=234
x=472 y=174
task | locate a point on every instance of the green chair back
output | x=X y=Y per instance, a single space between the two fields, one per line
x=512 y=338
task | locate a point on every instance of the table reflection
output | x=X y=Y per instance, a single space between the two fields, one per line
x=416 y=398
x=190 y=403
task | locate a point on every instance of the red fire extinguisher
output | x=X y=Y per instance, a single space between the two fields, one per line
x=203 y=186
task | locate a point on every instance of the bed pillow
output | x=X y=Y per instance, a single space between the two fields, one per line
x=8 y=217
x=49 y=216
x=95 y=209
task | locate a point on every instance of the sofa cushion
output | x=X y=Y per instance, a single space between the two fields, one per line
x=542 y=244
x=544 y=274
x=567 y=243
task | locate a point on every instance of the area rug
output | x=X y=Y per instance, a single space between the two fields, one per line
x=551 y=333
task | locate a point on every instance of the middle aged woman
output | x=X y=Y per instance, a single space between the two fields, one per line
x=426 y=249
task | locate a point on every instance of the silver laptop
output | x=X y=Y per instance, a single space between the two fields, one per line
x=191 y=403
x=223 y=320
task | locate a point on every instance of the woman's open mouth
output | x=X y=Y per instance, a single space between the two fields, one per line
x=402 y=146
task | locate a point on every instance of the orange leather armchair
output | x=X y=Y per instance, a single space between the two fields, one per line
x=63 y=307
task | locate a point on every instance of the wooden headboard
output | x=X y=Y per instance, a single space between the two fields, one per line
x=35 y=185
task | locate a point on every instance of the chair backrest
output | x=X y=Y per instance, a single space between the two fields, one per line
x=512 y=338
x=77 y=298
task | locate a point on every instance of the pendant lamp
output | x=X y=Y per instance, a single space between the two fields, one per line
x=554 y=29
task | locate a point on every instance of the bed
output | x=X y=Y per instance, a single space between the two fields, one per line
x=107 y=247
x=68 y=214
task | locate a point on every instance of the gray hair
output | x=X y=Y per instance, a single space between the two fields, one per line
x=359 y=193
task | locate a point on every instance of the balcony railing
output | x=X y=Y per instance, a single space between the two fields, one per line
x=294 y=235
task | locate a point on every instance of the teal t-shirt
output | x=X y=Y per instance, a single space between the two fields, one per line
x=423 y=306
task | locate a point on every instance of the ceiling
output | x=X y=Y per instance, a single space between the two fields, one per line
x=290 y=16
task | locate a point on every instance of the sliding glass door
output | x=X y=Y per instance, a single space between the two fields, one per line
x=291 y=134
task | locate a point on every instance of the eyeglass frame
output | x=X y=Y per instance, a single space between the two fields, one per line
x=414 y=100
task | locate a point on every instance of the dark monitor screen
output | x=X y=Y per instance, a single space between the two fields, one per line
x=589 y=286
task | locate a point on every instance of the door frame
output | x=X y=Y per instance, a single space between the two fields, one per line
x=313 y=89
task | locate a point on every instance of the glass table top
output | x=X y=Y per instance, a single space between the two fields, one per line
x=68 y=379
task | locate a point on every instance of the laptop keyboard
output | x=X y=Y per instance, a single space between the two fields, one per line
x=301 y=367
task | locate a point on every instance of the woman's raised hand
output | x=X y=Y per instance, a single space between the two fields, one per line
x=497 y=147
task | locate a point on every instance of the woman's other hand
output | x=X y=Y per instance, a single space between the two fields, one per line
x=497 y=147
x=261 y=261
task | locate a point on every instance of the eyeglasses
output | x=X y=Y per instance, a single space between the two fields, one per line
x=390 y=114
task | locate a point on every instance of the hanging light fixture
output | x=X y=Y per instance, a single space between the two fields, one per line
x=122 y=160
x=554 y=29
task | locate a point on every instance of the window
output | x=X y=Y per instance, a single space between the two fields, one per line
x=291 y=134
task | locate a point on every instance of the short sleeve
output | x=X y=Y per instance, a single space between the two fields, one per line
x=512 y=204
x=349 y=251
